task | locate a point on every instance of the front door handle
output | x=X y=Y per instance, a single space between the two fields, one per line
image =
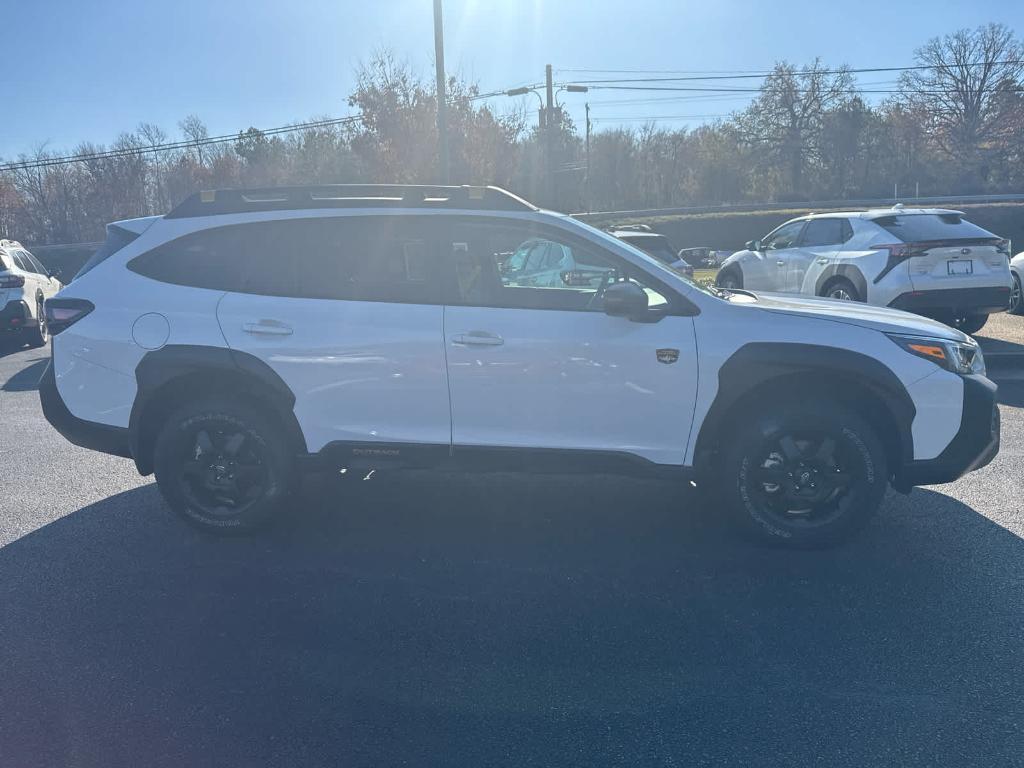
x=267 y=328
x=478 y=339
x=780 y=263
x=823 y=261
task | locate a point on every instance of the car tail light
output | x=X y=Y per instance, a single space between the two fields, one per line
x=62 y=313
x=11 y=281
x=898 y=253
x=1003 y=247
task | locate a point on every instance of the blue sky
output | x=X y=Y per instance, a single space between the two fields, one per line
x=85 y=71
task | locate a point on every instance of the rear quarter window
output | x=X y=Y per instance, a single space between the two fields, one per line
x=923 y=227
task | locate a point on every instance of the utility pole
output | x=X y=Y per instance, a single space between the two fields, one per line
x=587 y=188
x=442 y=99
x=549 y=130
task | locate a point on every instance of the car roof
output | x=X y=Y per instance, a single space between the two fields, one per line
x=878 y=213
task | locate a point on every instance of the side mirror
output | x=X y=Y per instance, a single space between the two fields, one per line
x=753 y=245
x=625 y=300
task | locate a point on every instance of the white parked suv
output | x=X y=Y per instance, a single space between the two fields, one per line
x=248 y=334
x=930 y=261
x=24 y=285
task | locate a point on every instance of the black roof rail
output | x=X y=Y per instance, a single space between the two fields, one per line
x=221 y=201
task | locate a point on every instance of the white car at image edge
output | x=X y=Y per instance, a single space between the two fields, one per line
x=930 y=261
x=25 y=284
x=249 y=335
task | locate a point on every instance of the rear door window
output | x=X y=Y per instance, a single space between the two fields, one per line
x=822 y=232
x=20 y=262
x=371 y=258
x=923 y=227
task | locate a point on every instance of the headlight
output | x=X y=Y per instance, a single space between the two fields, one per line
x=958 y=357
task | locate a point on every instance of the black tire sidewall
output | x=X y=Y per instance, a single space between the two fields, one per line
x=1019 y=309
x=850 y=288
x=729 y=272
x=37 y=337
x=841 y=424
x=171 y=447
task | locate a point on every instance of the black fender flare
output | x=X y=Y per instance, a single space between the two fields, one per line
x=848 y=271
x=759 y=365
x=248 y=374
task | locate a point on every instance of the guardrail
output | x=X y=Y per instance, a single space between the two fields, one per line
x=807 y=204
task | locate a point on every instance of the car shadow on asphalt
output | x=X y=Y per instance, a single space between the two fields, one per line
x=503 y=620
x=27 y=379
x=1011 y=393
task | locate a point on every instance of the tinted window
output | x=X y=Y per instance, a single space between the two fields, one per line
x=823 y=232
x=5 y=261
x=783 y=237
x=380 y=258
x=574 y=276
x=20 y=262
x=38 y=268
x=929 y=226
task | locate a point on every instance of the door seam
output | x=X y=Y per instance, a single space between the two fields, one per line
x=448 y=380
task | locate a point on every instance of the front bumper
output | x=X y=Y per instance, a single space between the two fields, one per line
x=974 y=446
x=14 y=316
x=87 y=434
x=955 y=301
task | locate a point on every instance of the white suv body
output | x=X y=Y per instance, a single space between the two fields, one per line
x=926 y=260
x=350 y=327
x=24 y=285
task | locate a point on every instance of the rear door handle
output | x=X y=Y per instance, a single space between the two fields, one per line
x=823 y=261
x=780 y=263
x=478 y=339
x=267 y=328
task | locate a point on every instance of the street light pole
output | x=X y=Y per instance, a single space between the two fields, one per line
x=587 y=106
x=549 y=132
x=442 y=98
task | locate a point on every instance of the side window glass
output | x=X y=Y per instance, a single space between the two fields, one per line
x=36 y=265
x=784 y=237
x=20 y=263
x=820 y=232
x=847 y=230
x=477 y=249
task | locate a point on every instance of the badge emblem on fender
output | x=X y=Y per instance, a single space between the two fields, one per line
x=667 y=356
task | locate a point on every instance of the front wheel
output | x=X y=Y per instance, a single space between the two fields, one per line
x=729 y=279
x=804 y=476
x=223 y=466
x=841 y=289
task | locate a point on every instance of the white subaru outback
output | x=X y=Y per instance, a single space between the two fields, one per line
x=24 y=285
x=930 y=261
x=249 y=334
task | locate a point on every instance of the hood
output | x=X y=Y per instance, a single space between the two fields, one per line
x=855 y=313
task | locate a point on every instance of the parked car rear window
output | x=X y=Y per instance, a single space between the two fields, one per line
x=654 y=245
x=920 y=227
x=373 y=258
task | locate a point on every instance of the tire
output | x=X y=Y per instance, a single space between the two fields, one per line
x=970 y=324
x=1016 y=297
x=223 y=466
x=841 y=289
x=38 y=334
x=730 y=279
x=779 y=480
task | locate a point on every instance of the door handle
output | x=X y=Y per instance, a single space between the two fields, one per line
x=268 y=328
x=823 y=261
x=478 y=339
x=780 y=263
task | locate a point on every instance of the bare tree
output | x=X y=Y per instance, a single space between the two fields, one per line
x=970 y=93
x=784 y=124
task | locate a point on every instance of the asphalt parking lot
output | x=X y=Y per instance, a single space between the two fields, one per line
x=501 y=620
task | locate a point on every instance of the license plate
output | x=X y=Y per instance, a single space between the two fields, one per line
x=960 y=267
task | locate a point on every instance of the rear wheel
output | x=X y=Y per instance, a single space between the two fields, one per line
x=804 y=476
x=730 y=279
x=970 y=323
x=841 y=289
x=38 y=334
x=1016 y=297
x=223 y=466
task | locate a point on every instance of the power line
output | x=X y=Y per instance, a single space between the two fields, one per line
x=751 y=75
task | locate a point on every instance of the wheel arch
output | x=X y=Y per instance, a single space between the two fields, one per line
x=773 y=372
x=842 y=271
x=173 y=375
